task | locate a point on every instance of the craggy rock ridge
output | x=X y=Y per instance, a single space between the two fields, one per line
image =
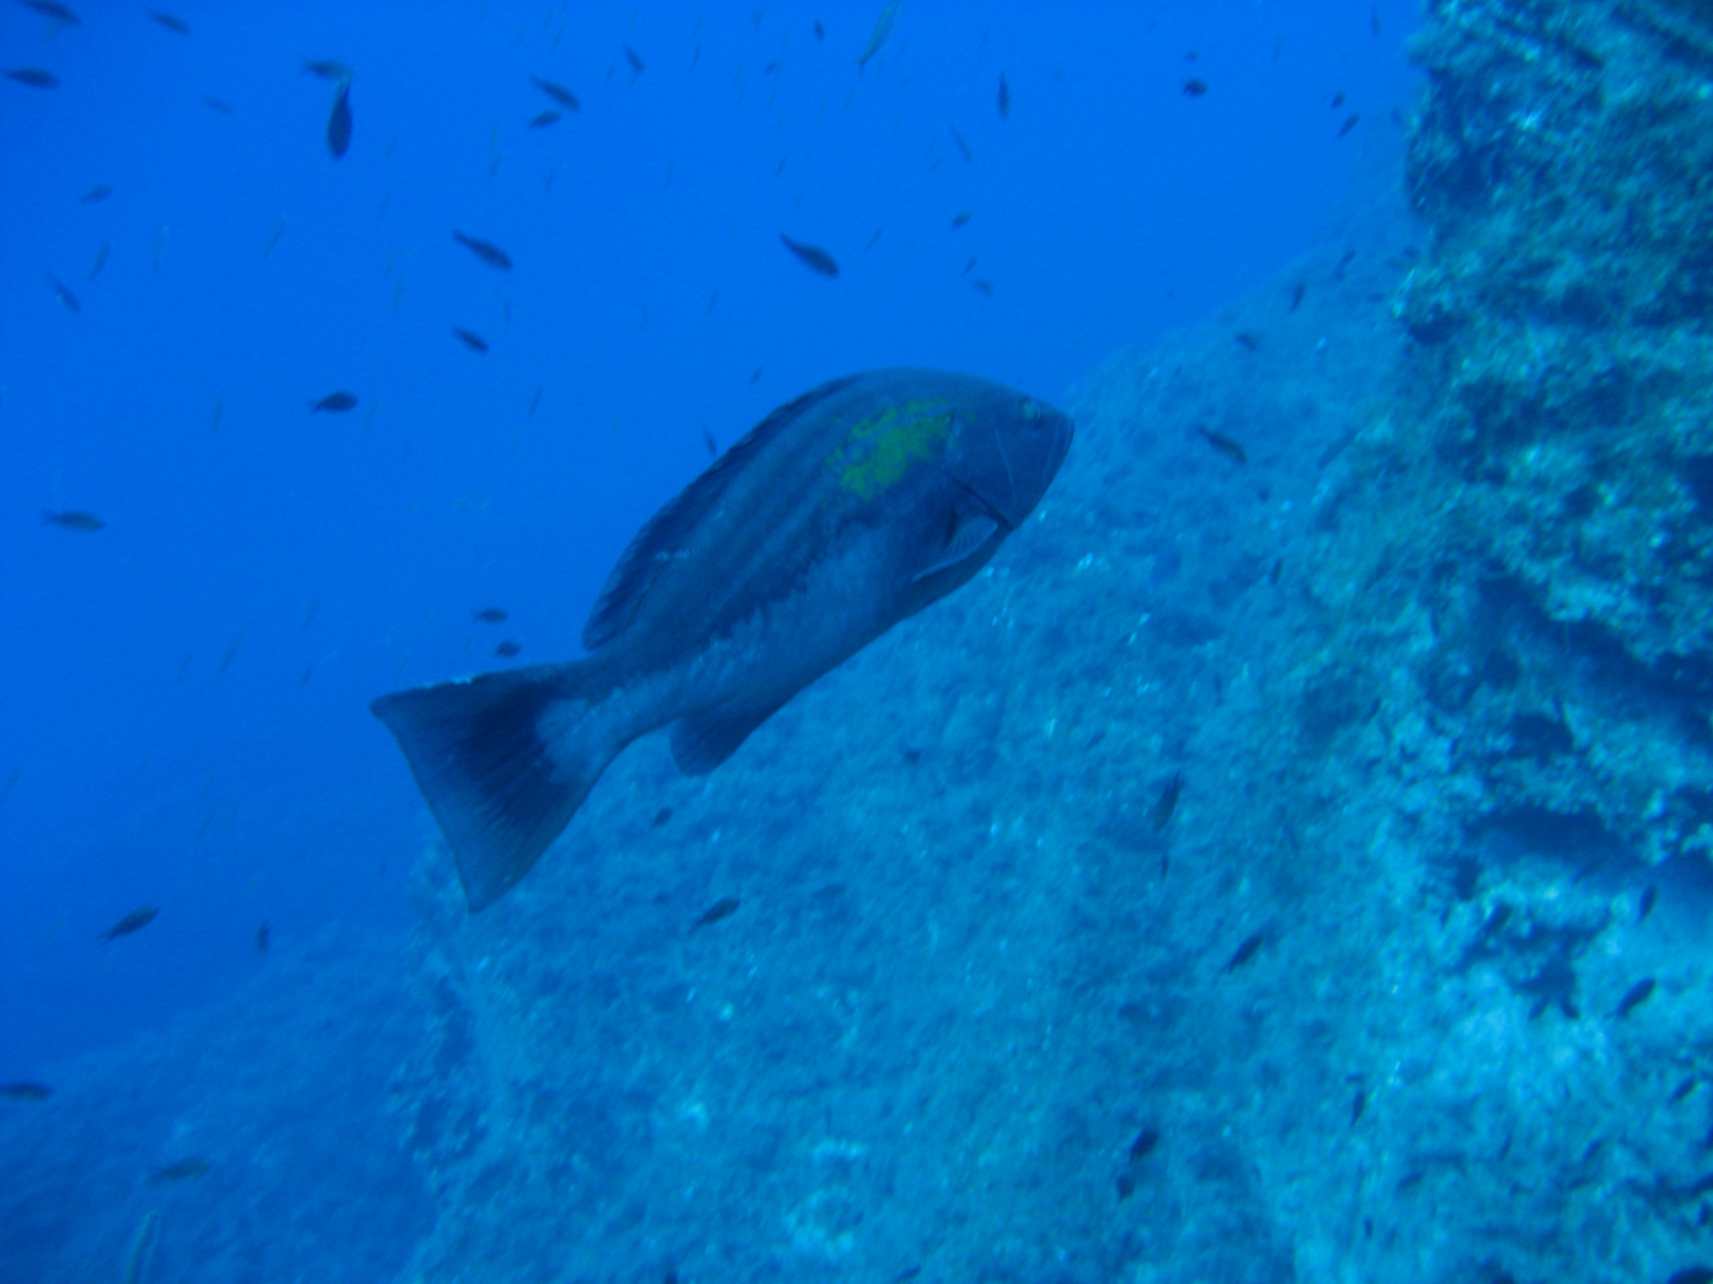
x=1564 y=163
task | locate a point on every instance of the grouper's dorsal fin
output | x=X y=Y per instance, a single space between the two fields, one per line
x=669 y=529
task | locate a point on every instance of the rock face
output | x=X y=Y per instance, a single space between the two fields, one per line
x=1564 y=164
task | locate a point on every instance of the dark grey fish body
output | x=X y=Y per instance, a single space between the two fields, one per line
x=841 y=514
x=339 y=123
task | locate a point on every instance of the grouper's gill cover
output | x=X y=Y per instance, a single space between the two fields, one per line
x=840 y=514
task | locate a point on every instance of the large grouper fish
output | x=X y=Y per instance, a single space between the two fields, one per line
x=839 y=515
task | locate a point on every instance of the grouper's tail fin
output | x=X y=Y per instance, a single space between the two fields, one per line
x=504 y=761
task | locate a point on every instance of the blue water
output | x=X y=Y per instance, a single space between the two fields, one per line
x=186 y=718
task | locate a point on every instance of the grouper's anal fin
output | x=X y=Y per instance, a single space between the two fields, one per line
x=703 y=741
x=501 y=787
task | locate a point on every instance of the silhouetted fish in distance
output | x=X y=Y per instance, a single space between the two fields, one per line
x=487 y=251
x=63 y=292
x=135 y=921
x=811 y=256
x=72 y=519
x=335 y=403
x=53 y=9
x=25 y=1090
x=882 y=31
x=181 y=1170
x=34 y=77
x=840 y=514
x=339 y=122
x=174 y=24
x=557 y=92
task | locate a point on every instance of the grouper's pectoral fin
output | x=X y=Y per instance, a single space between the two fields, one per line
x=703 y=741
x=968 y=539
x=504 y=761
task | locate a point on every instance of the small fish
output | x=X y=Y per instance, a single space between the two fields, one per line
x=1003 y=100
x=25 y=1090
x=1374 y=19
x=969 y=265
x=66 y=297
x=963 y=145
x=264 y=938
x=1349 y=124
x=334 y=403
x=1246 y=951
x=725 y=907
x=506 y=650
x=174 y=24
x=52 y=9
x=882 y=30
x=470 y=339
x=557 y=92
x=180 y=1170
x=219 y=105
x=339 y=122
x=1144 y=1145
x=1683 y=1090
x=982 y=287
x=1338 y=100
x=1194 y=88
x=811 y=256
x=1344 y=261
x=326 y=68
x=96 y=194
x=1297 y=292
x=34 y=77
x=1358 y=1104
x=487 y=251
x=1231 y=448
x=874 y=239
x=637 y=65
x=1166 y=804
x=135 y=921
x=1645 y=905
x=660 y=818
x=1248 y=340
x=1634 y=997
x=712 y=445
x=960 y=218
x=542 y=119
x=820 y=31
x=72 y=519
x=490 y=615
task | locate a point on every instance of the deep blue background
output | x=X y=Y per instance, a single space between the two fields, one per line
x=185 y=716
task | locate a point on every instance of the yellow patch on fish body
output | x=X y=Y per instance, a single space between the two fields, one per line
x=879 y=451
